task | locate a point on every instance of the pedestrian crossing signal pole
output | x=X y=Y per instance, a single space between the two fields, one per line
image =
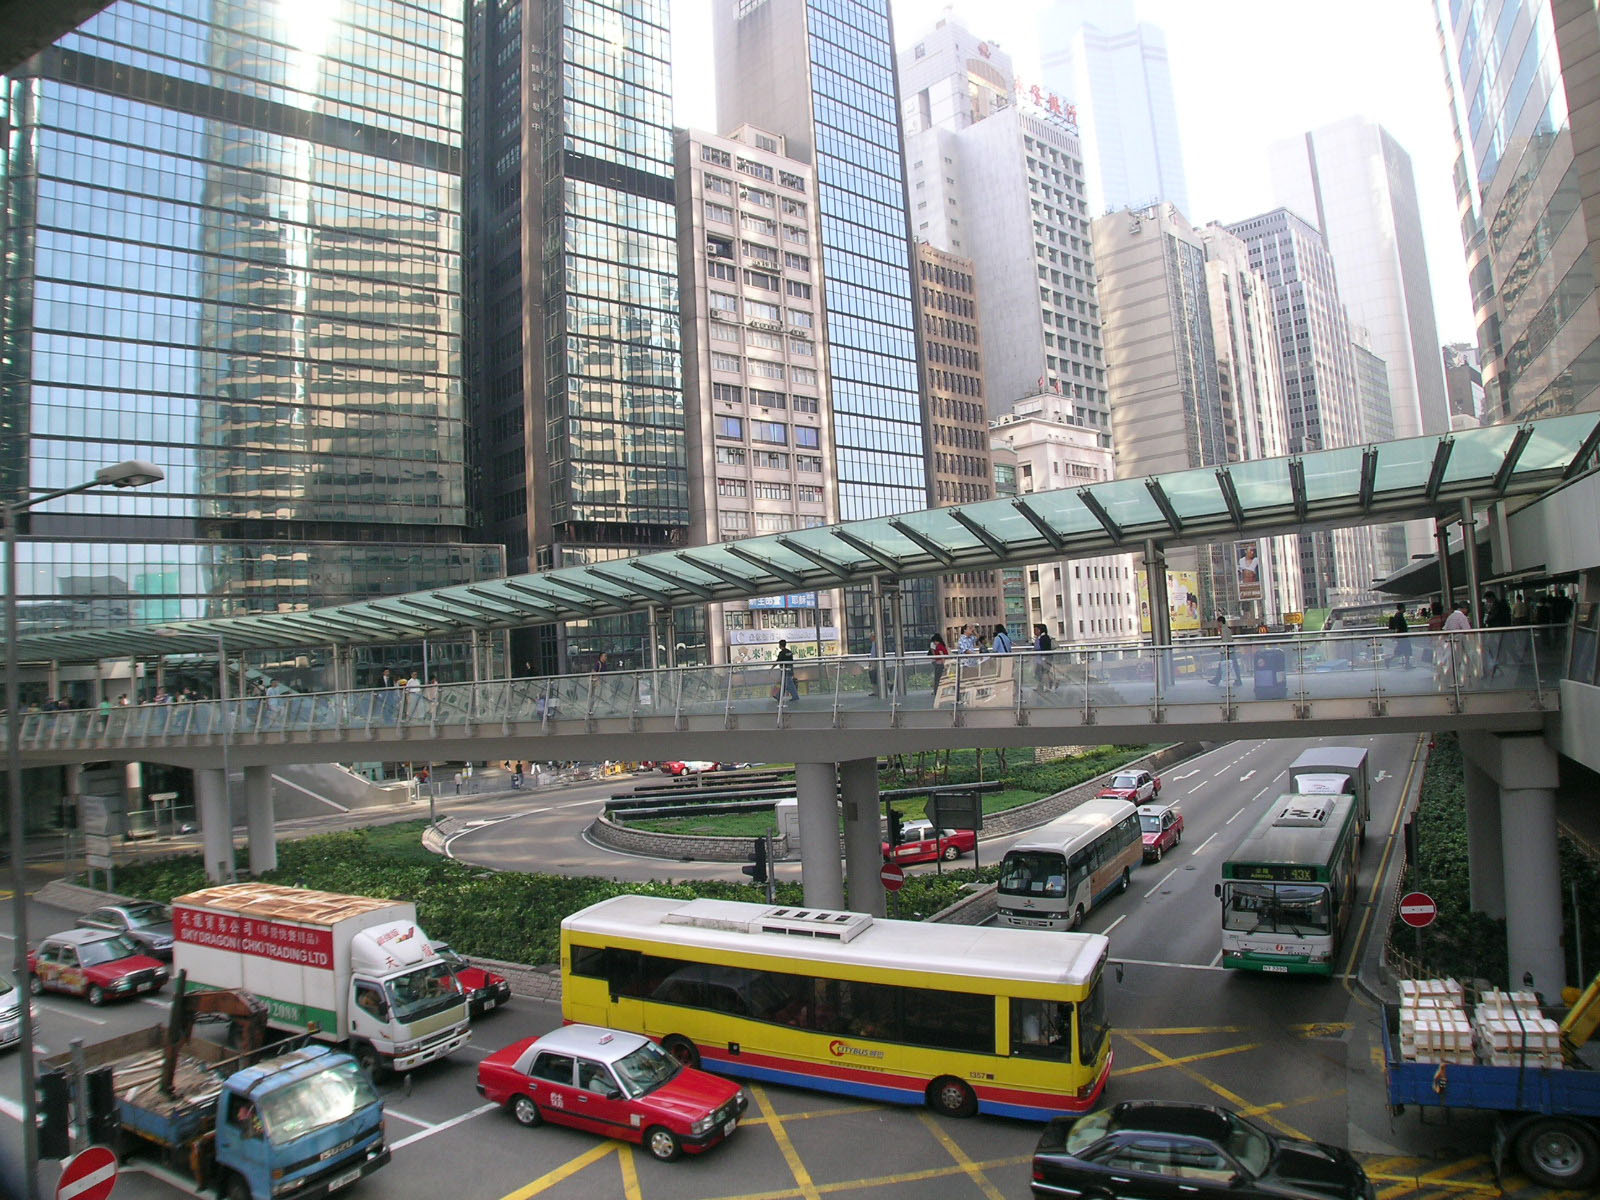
x=759 y=868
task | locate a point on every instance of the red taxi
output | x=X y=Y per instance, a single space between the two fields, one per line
x=1161 y=829
x=94 y=963
x=485 y=991
x=1136 y=787
x=919 y=845
x=620 y=1085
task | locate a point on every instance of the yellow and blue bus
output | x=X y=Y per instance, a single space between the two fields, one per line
x=1055 y=876
x=962 y=1018
x=1288 y=891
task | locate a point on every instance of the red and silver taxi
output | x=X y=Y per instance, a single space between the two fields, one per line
x=1136 y=786
x=94 y=963
x=485 y=990
x=1160 y=828
x=616 y=1084
x=919 y=843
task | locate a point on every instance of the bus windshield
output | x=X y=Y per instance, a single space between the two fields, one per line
x=1294 y=908
x=1033 y=873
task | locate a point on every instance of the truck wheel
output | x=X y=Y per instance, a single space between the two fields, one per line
x=367 y=1059
x=949 y=1097
x=682 y=1049
x=1559 y=1153
x=97 y=995
x=237 y=1188
x=662 y=1143
x=525 y=1111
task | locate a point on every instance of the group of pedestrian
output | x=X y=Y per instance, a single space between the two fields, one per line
x=407 y=696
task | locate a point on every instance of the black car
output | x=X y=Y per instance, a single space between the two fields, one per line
x=1149 y=1149
x=147 y=923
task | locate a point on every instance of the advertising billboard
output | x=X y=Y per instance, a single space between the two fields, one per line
x=1183 y=602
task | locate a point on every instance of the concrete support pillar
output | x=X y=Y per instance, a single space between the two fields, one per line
x=1533 y=903
x=1469 y=556
x=1441 y=543
x=216 y=823
x=652 y=641
x=897 y=630
x=1485 y=866
x=816 y=788
x=877 y=628
x=259 y=819
x=72 y=789
x=863 y=846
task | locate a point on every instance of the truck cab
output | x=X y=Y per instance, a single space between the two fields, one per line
x=405 y=1005
x=306 y=1123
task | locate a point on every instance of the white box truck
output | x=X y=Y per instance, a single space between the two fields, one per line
x=1333 y=771
x=355 y=970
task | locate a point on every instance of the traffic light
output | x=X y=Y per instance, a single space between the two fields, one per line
x=53 y=1118
x=895 y=822
x=756 y=868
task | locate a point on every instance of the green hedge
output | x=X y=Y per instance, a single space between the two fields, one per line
x=1461 y=943
x=509 y=915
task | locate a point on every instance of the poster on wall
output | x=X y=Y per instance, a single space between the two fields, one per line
x=1183 y=602
x=1249 y=569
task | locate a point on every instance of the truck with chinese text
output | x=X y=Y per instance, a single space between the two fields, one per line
x=348 y=969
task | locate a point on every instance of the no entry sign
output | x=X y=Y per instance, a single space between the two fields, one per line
x=893 y=876
x=1418 y=910
x=90 y=1175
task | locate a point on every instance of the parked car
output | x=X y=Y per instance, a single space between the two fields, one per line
x=94 y=963
x=1149 y=1149
x=618 y=1084
x=1161 y=827
x=485 y=990
x=689 y=767
x=919 y=844
x=1136 y=787
x=147 y=923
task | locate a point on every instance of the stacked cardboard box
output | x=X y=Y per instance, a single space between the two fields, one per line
x=1433 y=1023
x=1510 y=1031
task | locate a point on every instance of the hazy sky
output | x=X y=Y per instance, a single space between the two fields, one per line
x=1245 y=73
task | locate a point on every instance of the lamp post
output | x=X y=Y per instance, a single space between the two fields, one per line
x=133 y=473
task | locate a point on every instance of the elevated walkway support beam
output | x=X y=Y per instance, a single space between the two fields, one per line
x=863 y=847
x=216 y=823
x=1486 y=878
x=816 y=788
x=259 y=819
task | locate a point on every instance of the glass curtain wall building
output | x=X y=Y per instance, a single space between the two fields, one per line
x=822 y=74
x=573 y=297
x=233 y=248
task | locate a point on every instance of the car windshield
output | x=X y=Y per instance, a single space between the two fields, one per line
x=1249 y=1145
x=421 y=993
x=1087 y=1131
x=146 y=916
x=1033 y=873
x=1293 y=908
x=1150 y=822
x=318 y=1100
x=107 y=950
x=1125 y=781
x=646 y=1069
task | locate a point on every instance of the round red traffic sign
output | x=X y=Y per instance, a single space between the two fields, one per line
x=1418 y=910
x=90 y=1175
x=893 y=876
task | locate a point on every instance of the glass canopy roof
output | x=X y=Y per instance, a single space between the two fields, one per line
x=1356 y=485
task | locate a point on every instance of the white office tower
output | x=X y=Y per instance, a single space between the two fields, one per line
x=1254 y=421
x=1114 y=68
x=1354 y=181
x=999 y=179
x=1085 y=599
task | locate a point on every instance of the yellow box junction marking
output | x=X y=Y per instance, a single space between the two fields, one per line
x=568 y=1169
x=956 y=1152
x=802 y=1177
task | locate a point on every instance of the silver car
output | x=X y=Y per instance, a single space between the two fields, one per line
x=147 y=923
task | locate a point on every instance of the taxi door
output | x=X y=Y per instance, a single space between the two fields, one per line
x=600 y=1103
x=71 y=976
x=47 y=967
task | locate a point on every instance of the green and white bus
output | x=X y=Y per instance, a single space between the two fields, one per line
x=1289 y=889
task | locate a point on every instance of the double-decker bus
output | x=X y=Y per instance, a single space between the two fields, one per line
x=1289 y=889
x=962 y=1018
x=1054 y=878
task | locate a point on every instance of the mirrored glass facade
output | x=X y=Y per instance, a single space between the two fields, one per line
x=234 y=249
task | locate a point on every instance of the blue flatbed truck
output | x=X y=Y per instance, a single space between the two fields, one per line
x=1547 y=1117
x=305 y=1120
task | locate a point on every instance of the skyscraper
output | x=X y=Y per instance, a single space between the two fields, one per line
x=1114 y=68
x=234 y=249
x=572 y=295
x=824 y=80
x=1000 y=179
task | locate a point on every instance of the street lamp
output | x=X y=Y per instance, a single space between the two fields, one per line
x=133 y=473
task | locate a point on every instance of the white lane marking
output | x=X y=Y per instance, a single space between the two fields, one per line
x=1185 y=775
x=1261 y=793
x=1204 y=844
x=395 y=1112
x=86 y=1182
x=1164 y=878
x=11 y=1109
x=1196 y=788
x=442 y=1126
x=10 y=937
x=1107 y=930
x=77 y=1016
x=1230 y=820
x=1382 y=775
x=1217 y=961
x=1145 y=962
x=1247 y=774
x=1226 y=767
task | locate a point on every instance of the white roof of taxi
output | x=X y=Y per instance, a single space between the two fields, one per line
x=969 y=951
x=588 y=1041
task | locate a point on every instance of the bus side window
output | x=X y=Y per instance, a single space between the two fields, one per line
x=1041 y=1029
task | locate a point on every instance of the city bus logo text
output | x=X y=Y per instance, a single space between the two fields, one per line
x=841 y=1050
